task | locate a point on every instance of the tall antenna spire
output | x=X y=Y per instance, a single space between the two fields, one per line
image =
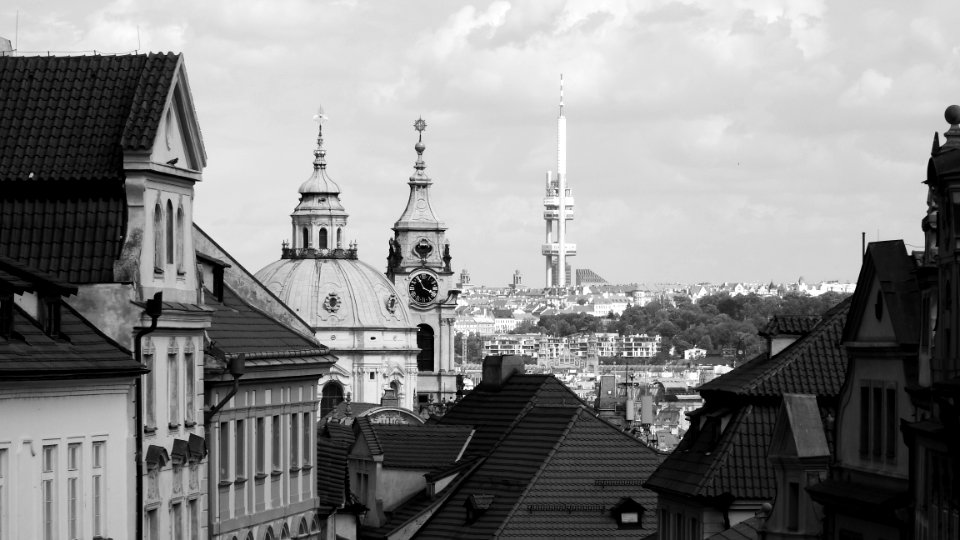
x=561 y=94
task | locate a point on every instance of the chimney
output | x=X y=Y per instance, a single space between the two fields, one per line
x=6 y=48
x=497 y=369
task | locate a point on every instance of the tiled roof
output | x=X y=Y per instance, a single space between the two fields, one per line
x=748 y=529
x=814 y=364
x=238 y=327
x=422 y=447
x=889 y=264
x=794 y=325
x=66 y=123
x=83 y=352
x=732 y=463
x=492 y=411
x=557 y=473
x=332 y=450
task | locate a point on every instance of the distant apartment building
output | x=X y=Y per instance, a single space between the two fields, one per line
x=551 y=349
x=511 y=344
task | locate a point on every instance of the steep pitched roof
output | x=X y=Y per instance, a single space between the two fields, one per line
x=66 y=124
x=558 y=472
x=889 y=263
x=814 y=364
x=332 y=450
x=421 y=447
x=492 y=411
x=83 y=351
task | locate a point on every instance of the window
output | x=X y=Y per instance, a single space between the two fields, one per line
x=152 y=526
x=306 y=238
x=48 y=492
x=73 y=490
x=158 y=238
x=194 y=517
x=275 y=451
x=793 y=506
x=261 y=443
x=173 y=384
x=50 y=316
x=879 y=416
x=190 y=385
x=307 y=433
x=240 y=439
x=322 y=239
x=339 y=236
x=3 y=493
x=98 y=487
x=149 y=387
x=294 y=440
x=664 y=524
x=224 y=451
x=180 y=240
x=425 y=343
x=169 y=233
x=176 y=518
x=6 y=315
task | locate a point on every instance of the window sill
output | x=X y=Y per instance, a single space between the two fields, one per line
x=173 y=426
x=240 y=480
x=260 y=476
x=276 y=472
x=224 y=483
x=306 y=467
x=149 y=429
x=189 y=424
x=294 y=469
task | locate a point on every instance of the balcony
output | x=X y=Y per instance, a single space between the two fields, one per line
x=555 y=214
x=311 y=253
x=555 y=201
x=554 y=249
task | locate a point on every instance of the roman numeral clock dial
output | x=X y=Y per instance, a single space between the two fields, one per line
x=423 y=288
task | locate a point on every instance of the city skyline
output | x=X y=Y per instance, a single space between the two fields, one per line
x=706 y=144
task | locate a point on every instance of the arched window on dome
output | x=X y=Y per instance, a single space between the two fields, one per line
x=170 y=237
x=425 y=342
x=339 y=237
x=158 y=238
x=322 y=240
x=330 y=397
x=306 y=239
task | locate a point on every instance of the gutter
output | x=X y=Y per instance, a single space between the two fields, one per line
x=236 y=368
x=153 y=309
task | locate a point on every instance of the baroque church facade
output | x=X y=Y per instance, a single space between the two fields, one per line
x=393 y=333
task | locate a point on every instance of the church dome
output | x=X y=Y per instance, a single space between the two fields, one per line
x=336 y=293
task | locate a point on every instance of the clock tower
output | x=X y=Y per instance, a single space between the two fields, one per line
x=418 y=263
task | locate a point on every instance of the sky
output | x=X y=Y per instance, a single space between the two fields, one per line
x=707 y=141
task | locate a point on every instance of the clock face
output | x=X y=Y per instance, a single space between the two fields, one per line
x=423 y=288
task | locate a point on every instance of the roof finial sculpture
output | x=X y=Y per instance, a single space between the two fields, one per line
x=320 y=154
x=420 y=125
x=952 y=135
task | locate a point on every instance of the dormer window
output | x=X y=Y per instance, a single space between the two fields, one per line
x=477 y=504
x=628 y=514
x=6 y=315
x=50 y=316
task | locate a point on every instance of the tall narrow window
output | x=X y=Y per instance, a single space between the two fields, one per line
x=149 y=386
x=180 y=240
x=793 y=506
x=307 y=432
x=48 y=492
x=224 y=451
x=173 y=384
x=261 y=443
x=193 y=515
x=877 y=420
x=864 y=419
x=240 y=439
x=152 y=526
x=891 y=433
x=73 y=491
x=189 y=384
x=275 y=451
x=322 y=239
x=176 y=517
x=157 y=238
x=98 y=488
x=339 y=237
x=294 y=440
x=306 y=238
x=3 y=493
x=169 y=233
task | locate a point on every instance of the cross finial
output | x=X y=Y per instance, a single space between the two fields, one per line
x=420 y=125
x=320 y=154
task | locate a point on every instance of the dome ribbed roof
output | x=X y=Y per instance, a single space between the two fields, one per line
x=336 y=293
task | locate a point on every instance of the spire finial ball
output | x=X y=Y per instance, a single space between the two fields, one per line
x=952 y=115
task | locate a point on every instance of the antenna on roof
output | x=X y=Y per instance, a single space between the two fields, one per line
x=16 y=33
x=138 y=39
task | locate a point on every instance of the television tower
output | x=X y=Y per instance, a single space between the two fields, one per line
x=557 y=210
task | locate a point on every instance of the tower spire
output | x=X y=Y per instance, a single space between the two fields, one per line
x=561 y=94
x=558 y=209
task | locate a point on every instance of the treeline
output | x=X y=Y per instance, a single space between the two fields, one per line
x=715 y=322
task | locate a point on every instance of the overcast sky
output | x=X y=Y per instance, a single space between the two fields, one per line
x=707 y=141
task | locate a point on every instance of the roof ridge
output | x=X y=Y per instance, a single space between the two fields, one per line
x=576 y=411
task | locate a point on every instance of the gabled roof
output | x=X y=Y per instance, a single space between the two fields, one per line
x=748 y=529
x=558 y=472
x=814 y=364
x=792 y=325
x=238 y=327
x=492 y=411
x=67 y=122
x=83 y=351
x=333 y=446
x=889 y=264
x=420 y=447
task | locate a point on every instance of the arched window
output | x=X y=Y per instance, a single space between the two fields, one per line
x=157 y=238
x=339 y=237
x=306 y=238
x=425 y=342
x=285 y=532
x=303 y=530
x=181 y=238
x=322 y=241
x=169 y=243
x=330 y=397
x=269 y=535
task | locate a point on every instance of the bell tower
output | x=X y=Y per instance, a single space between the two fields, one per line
x=418 y=263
